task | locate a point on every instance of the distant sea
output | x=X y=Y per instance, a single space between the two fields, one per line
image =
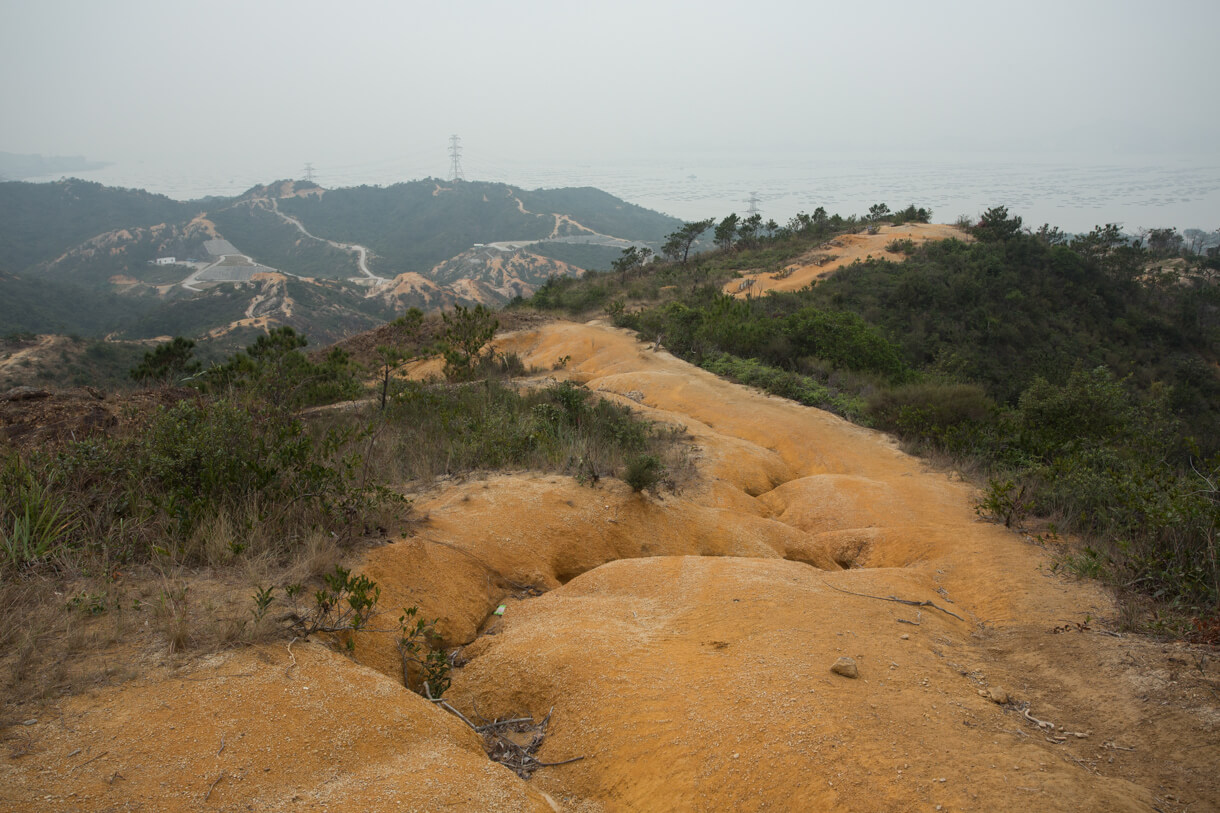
x=1074 y=193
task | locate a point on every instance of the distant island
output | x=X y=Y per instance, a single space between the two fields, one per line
x=16 y=167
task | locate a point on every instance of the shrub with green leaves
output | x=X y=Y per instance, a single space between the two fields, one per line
x=467 y=332
x=35 y=520
x=434 y=430
x=643 y=471
x=275 y=371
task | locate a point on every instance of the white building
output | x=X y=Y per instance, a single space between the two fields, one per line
x=165 y=261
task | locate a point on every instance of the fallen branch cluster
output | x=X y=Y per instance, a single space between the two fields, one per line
x=506 y=750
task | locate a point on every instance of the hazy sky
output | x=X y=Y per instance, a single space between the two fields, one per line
x=355 y=83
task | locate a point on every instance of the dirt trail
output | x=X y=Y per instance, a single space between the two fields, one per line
x=362 y=253
x=685 y=642
x=835 y=254
x=42 y=347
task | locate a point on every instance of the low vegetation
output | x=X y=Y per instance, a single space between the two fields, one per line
x=247 y=489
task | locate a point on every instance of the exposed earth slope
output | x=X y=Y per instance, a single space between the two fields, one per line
x=837 y=253
x=685 y=642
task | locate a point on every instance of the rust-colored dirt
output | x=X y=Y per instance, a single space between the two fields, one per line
x=685 y=642
x=839 y=252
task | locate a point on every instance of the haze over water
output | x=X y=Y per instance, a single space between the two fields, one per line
x=1071 y=192
x=1075 y=113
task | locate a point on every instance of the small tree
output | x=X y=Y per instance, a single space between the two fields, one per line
x=747 y=231
x=726 y=232
x=169 y=361
x=467 y=332
x=996 y=226
x=631 y=259
x=677 y=244
x=1165 y=242
x=391 y=356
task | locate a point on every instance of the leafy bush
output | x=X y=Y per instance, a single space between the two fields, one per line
x=435 y=430
x=467 y=332
x=1005 y=501
x=800 y=388
x=276 y=371
x=153 y=491
x=949 y=415
x=169 y=361
x=35 y=521
x=643 y=471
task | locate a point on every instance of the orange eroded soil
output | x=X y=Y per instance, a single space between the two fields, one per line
x=685 y=642
x=837 y=253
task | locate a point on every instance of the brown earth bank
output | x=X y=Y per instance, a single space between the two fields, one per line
x=682 y=643
x=833 y=255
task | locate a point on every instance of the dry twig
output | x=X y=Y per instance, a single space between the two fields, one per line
x=906 y=601
x=213 y=786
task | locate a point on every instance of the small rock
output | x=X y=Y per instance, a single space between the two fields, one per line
x=905 y=637
x=845 y=667
x=998 y=696
x=24 y=394
x=31 y=722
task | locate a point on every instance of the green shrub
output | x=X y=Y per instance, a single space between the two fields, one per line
x=1004 y=500
x=952 y=415
x=800 y=388
x=35 y=521
x=643 y=471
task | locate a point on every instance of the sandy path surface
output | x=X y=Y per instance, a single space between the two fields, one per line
x=837 y=253
x=685 y=643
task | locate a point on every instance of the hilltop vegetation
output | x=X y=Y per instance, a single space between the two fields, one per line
x=1079 y=379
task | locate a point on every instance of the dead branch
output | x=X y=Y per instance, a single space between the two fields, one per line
x=212 y=787
x=87 y=761
x=897 y=600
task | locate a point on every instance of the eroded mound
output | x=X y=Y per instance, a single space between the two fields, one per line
x=685 y=642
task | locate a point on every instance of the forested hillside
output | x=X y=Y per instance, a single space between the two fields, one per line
x=414 y=226
x=38 y=222
x=1079 y=377
x=421 y=245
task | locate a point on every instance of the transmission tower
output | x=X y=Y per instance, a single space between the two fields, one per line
x=309 y=172
x=455 y=156
x=753 y=201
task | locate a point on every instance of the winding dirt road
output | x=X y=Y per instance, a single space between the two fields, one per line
x=362 y=253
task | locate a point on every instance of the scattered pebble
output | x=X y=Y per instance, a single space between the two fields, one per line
x=905 y=637
x=30 y=722
x=997 y=695
x=845 y=667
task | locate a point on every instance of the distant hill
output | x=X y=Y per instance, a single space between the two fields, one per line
x=39 y=222
x=17 y=167
x=328 y=262
x=415 y=226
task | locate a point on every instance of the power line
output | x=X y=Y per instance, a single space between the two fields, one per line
x=309 y=172
x=455 y=154
x=753 y=201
